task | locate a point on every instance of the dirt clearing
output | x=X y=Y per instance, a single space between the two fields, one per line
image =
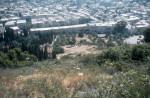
x=83 y=49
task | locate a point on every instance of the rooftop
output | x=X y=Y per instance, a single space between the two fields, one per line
x=10 y=23
x=15 y=28
x=21 y=21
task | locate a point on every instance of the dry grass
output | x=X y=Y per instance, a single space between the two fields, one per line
x=83 y=49
x=50 y=79
x=73 y=76
x=79 y=49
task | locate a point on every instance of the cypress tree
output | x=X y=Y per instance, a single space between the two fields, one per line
x=45 y=53
x=53 y=54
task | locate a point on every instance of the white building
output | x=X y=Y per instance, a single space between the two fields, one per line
x=14 y=18
x=16 y=30
x=2 y=29
x=37 y=23
x=141 y=26
x=10 y=24
x=21 y=23
x=4 y=20
x=100 y=27
x=132 y=19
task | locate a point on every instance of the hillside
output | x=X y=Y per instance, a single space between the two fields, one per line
x=76 y=76
x=74 y=49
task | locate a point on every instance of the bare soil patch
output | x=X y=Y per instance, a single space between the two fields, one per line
x=83 y=49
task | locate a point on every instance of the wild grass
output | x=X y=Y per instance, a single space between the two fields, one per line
x=70 y=78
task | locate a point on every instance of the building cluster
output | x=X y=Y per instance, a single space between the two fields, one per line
x=49 y=15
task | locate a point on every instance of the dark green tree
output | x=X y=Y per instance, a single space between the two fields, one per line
x=25 y=31
x=147 y=35
x=81 y=34
x=120 y=27
x=18 y=52
x=45 y=53
x=140 y=52
x=58 y=49
x=53 y=54
x=11 y=54
x=110 y=44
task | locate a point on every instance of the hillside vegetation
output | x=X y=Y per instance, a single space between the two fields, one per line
x=118 y=72
x=111 y=69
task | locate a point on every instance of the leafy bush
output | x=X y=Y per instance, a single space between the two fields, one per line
x=66 y=57
x=136 y=53
x=123 y=58
x=141 y=52
x=132 y=84
x=58 y=50
x=120 y=27
x=81 y=35
x=114 y=54
x=16 y=58
x=89 y=59
x=110 y=44
x=147 y=35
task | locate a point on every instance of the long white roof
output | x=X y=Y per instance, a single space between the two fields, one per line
x=73 y=26
x=57 y=28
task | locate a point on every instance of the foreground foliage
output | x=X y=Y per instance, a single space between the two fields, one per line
x=16 y=58
x=114 y=73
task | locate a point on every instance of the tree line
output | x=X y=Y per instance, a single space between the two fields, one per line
x=26 y=42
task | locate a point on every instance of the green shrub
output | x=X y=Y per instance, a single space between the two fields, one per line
x=136 y=53
x=141 y=52
x=89 y=59
x=147 y=35
x=81 y=35
x=58 y=50
x=16 y=58
x=114 y=54
x=132 y=84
